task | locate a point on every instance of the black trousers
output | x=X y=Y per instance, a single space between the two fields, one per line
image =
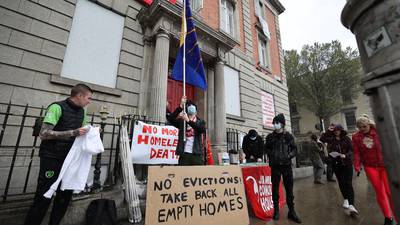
x=287 y=174
x=329 y=171
x=344 y=176
x=188 y=159
x=48 y=174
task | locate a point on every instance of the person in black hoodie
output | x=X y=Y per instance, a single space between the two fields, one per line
x=253 y=146
x=281 y=148
x=341 y=158
x=191 y=150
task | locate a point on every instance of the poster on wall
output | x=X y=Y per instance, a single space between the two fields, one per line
x=152 y=144
x=201 y=195
x=267 y=109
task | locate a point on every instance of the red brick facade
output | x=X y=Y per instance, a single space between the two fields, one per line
x=211 y=12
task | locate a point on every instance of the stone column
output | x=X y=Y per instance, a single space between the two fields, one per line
x=158 y=89
x=220 y=115
x=211 y=105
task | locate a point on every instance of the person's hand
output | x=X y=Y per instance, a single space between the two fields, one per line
x=81 y=131
x=184 y=116
x=183 y=101
x=251 y=157
x=342 y=156
x=259 y=160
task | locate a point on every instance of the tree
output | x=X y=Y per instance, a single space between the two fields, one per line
x=323 y=77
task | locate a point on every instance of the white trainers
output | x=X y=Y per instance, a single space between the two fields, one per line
x=353 y=210
x=346 y=204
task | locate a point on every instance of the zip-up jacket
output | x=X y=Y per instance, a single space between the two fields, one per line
x=367 y=149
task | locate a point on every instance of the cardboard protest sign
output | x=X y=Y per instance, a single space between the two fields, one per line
x=152 y=144
x=196 y=195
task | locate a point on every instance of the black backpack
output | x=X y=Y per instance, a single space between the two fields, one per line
x=101 y=212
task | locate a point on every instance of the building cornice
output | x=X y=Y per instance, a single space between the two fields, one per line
x=278 y=6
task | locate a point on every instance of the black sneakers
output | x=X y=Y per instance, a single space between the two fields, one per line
x=293 y=216
x=388 y=221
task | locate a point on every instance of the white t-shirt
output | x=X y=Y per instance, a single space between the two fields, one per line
x=189 y=145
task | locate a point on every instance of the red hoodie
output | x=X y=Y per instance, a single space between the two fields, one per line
x=367 y=149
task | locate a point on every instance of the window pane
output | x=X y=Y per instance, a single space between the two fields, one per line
x=93 y=49
x=350 y=120
x=232 y=93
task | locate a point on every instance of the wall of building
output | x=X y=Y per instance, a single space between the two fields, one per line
x=308 y=119
x=33 y=41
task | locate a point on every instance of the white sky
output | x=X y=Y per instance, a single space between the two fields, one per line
x=309 y=21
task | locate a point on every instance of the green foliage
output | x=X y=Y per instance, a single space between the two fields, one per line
x=323 y=77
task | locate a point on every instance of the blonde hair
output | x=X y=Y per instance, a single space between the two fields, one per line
x=364 y=120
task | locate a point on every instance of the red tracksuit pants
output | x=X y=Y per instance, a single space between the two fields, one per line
x=378 y=178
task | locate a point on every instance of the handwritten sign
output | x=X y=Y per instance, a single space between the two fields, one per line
x=196 y=195
x=268 y=109
x=152 y=144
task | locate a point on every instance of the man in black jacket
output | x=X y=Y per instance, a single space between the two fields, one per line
x=191 y=150
x=281 y=148
x=253 y=146
x=63 y=122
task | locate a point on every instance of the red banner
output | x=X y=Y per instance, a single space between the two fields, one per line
x=258 y=185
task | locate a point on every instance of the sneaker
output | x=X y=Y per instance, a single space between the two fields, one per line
x=388 y=221
x=353 y=210
x=293 y=216
x=318 y=182
x=346 y=204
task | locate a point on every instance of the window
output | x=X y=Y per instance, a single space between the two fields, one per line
x=293 y=108
x=262 y=10
x=227 y=20
x=350 y=120
x=296 y=126
x=263 y=51
x=94 y=45
x=232 y=91
x=196 y=5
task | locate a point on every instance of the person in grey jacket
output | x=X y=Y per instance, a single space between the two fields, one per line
x=281 y=148
x=191 y=150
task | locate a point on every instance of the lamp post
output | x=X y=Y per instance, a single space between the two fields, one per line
x=97 y=166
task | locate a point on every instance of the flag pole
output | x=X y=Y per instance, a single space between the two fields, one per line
x=184 y=65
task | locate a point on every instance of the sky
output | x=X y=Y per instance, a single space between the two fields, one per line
x=309 y=21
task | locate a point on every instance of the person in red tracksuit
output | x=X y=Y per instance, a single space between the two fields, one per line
x=368 y=152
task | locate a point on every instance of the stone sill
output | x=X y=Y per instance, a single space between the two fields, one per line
x=237 y=118
x=57 y=79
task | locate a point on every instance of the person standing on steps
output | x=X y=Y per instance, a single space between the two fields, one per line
x=63 y=122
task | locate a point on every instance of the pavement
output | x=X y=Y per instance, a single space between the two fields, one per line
x=318 y=204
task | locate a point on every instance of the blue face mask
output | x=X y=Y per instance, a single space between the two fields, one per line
x=277 y=126
x=191 y=110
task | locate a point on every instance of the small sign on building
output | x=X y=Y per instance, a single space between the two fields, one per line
x=267 y=109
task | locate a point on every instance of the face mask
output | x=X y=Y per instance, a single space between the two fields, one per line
x=253 y=138
x=191 y=110
x=277 y=126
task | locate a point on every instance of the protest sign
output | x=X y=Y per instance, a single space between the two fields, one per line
x=196 y=195
x=152 y=144
x=257 y=180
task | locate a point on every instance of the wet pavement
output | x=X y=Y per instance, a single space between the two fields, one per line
x=322 y=205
